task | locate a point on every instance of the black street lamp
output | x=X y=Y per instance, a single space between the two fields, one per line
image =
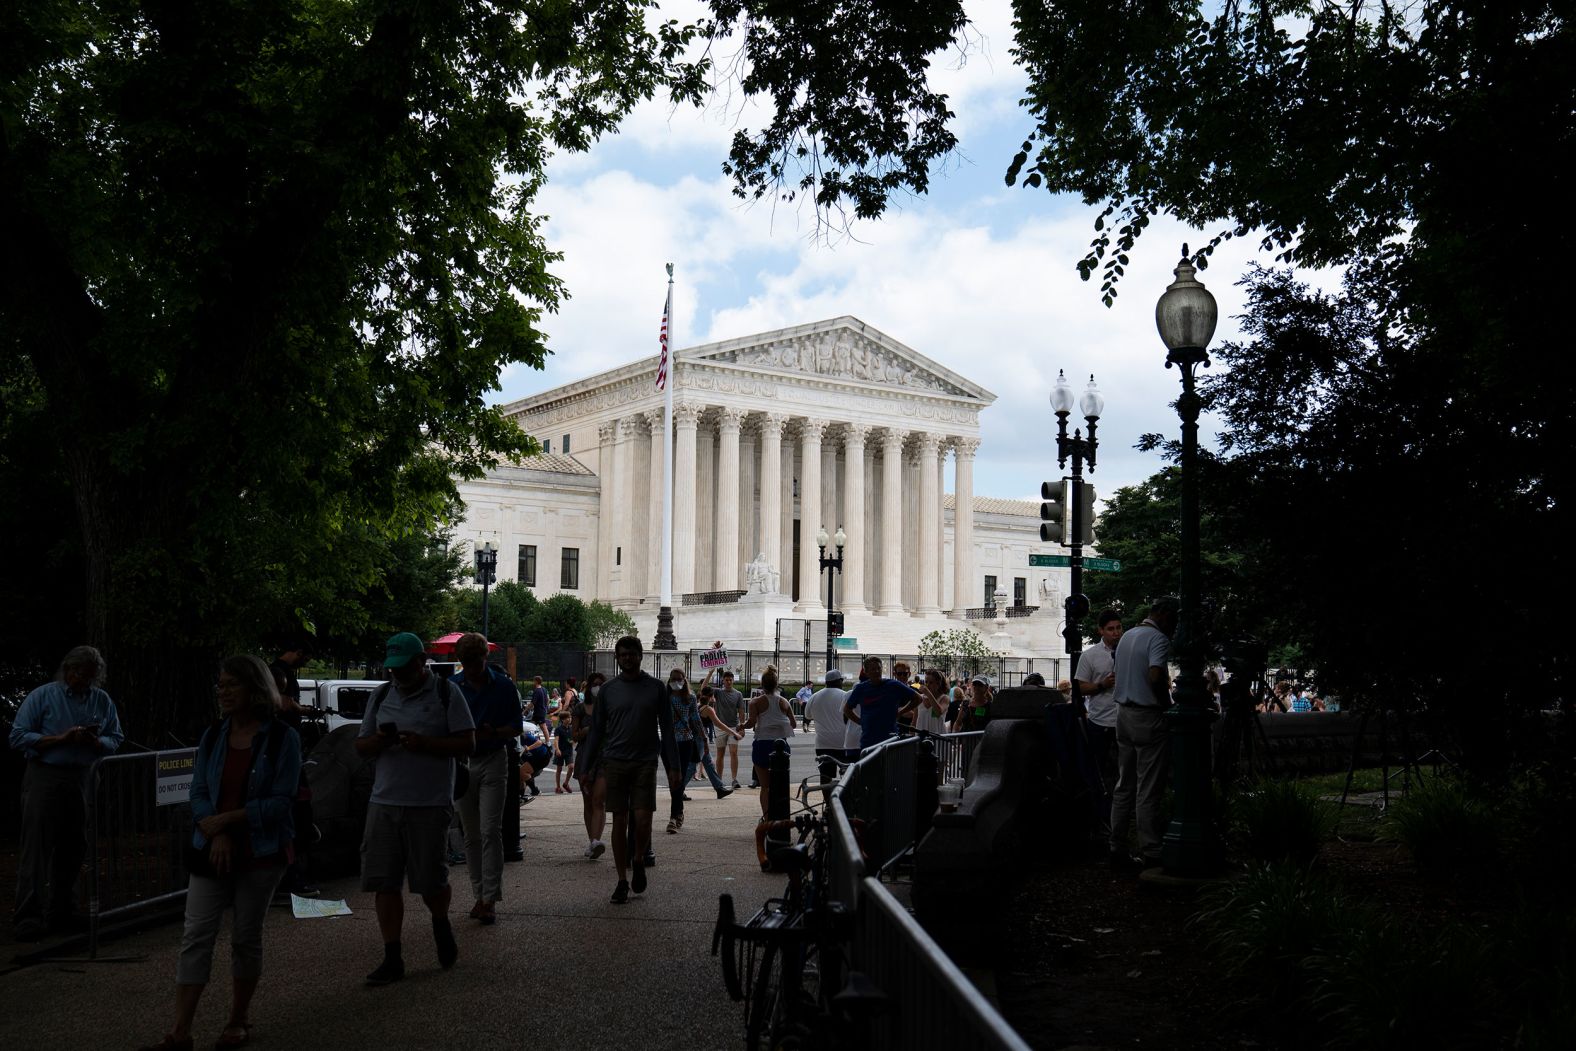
x=1081 y=451
x=486 y=574
x=1185 y=316
x=831 y=567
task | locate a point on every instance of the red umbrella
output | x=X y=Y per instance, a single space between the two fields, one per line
x=443 y=645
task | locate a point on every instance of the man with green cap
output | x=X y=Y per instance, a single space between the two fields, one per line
x=416 y=726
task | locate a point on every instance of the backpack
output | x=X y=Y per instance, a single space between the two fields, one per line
x=462 y=772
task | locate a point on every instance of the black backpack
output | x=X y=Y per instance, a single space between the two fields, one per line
x=462 y=773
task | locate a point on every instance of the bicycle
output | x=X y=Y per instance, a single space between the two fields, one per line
x=790 y=963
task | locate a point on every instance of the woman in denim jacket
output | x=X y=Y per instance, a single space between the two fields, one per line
x=243 y=798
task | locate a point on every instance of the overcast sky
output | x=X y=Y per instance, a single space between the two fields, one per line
x=977 y=275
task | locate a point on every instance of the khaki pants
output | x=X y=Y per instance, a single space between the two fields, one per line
x=1143 y=758
x=481 y=811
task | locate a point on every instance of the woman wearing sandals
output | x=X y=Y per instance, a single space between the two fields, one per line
x=243 y=797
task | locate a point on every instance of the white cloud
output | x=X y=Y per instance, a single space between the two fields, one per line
x=992 y=294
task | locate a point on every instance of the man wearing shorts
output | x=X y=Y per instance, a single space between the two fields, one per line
x=729 y=706
x=417 y=730
x=624 y=744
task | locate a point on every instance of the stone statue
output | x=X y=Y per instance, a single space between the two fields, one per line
x=761 y=576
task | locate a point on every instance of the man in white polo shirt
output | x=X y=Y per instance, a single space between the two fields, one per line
x=1142 y=694
x=1097 y=687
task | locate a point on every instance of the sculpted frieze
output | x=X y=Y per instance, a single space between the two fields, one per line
x=839 y=354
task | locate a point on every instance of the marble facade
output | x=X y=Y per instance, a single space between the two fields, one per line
x=775 y=436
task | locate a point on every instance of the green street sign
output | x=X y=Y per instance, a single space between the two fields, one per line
x=1104 y=565
x=846 y=642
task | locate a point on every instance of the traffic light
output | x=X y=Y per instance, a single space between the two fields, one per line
x=834 y=623
x=1086 y=514
x=1053 y=511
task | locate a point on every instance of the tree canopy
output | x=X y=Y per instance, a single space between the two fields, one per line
x=261 y=264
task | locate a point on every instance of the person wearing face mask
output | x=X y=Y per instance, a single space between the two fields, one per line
x=688 y=733
x=592 y=800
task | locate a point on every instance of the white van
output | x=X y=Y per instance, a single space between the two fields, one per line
x=344 y=701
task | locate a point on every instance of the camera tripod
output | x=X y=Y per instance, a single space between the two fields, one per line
x=1411 y=764
x=1244 y=748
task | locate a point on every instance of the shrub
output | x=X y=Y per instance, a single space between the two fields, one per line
x=1386 y=987
x=1268 y=928
x=1449 y=831
x=1281 y=821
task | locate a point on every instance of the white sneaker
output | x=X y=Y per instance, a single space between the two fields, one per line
x=597 y=849
x=586 y=853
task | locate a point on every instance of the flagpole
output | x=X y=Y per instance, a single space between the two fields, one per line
x=665 y=638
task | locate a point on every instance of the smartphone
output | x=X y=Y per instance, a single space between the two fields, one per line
x=388 y=729
x=93 y=728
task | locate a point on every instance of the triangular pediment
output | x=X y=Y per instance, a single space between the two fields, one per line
x=842 y=348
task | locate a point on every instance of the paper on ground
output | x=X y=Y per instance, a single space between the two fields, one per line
x=311 y=908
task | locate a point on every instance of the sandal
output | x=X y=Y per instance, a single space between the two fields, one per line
x=226 y=1040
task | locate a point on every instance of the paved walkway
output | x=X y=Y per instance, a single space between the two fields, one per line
x=562 y=969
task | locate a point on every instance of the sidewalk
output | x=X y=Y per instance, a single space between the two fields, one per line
x=562 y=969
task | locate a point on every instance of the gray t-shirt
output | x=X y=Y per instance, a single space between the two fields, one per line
x=1140 y=649
x=627 y=717
x=730 y=707
x=416 y=779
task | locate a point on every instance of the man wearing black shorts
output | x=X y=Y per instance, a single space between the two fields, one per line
x=631 y=725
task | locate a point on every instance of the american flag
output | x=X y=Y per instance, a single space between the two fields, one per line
x=662 y=360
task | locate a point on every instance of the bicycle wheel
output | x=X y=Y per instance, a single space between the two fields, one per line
x=764 y=1001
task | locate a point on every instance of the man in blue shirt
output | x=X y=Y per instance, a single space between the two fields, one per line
x=62 y=727
x=494 y=702
x=876 y=703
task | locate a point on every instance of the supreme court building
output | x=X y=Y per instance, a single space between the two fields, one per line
x=775 y=436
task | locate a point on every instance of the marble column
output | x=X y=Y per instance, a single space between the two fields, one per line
x=929 y=526
x=872 y=533
x=685 y=418
x=654 y=420
x=853 y=581
x=910 y=570
x=941 y=528
x=725 y=567
x=964 y=580
x=624 y=510
x=810 y=522
x=829 y=491
x=637 y=556
x=771 y=538
x=607 y=498
x=785 y=521
x=705 y=503
x=891 y=523
x=749 y=542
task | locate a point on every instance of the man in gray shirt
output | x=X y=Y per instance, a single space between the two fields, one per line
x=624 y=744
x=416 y=727
x=1142 y=694
x=729 y=706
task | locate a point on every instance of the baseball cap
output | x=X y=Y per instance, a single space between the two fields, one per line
x=402 y=649
x=833 y=677
x=981 y=680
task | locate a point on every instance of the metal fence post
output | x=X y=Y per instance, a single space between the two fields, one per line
x=927 y=795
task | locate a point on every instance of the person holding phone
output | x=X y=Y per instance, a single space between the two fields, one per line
x=61 y=729
x=416 y=726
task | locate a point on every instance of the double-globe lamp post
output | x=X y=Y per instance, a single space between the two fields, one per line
x=486 y=573
x=1185 y=316
x=831 y=567
x=1081 y=450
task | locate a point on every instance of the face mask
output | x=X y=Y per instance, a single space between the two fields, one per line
x=593 y=691
x=676 y=687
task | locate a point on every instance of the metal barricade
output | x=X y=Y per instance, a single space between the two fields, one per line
x=954 y=752
x=934 y=1006
x=135 y=840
